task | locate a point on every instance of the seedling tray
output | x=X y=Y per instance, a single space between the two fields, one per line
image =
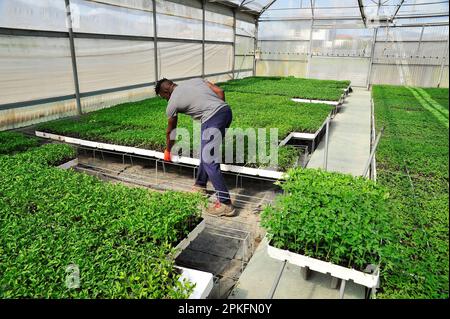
x=368 y=280
x=190 y=237
x=69 y=164
x=203 y=282
x=334 y=103
x=160 y=155
x=312 y=139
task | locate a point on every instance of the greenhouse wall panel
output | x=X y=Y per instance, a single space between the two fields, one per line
x=240 y=75
x=106 y=64
x=281 y=68
x=245 y=28
x=284 y=30
x=34 y=68
x=218 y=58
x=178 y=21
x=176 y=60
x=245 y=45
x=24 y=116
x=243 y=62
x=216 y=31
x=404 y=74
x=355 y=69
x=92 y=17
x=131 y=4
x=444 y=80
x=284 y=50
x=49 y=15
x=96 y=102
x=176 y=27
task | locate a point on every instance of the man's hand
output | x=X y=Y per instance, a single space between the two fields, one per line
x=171 y=125
x=167 y=156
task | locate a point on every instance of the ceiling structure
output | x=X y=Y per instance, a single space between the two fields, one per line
x=365 y=13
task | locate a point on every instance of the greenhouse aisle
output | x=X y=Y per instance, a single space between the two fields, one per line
x=349 y=139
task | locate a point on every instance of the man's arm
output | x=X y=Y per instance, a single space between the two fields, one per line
x=219 y=92
x=171 y=125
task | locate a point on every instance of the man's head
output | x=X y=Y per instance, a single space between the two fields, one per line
x=164 y=88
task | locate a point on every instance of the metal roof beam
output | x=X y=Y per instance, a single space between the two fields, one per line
x=397 y=9
x=361 y=10
x=267 y=6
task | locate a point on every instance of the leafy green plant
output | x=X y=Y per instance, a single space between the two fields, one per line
x=330 y=216
x=412 y=161
x=328 y=90
x=120 y=238
x=11 y=142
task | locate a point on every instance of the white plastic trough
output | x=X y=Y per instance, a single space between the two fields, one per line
x=203 y=282
x=368 y=280
x=69 y=164
x=160 y=155
x=191 y=236
x=334 y=103
x=304 y=136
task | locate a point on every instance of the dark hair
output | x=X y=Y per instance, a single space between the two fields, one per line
x=159 y=83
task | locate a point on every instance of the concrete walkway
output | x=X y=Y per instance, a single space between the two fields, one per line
x=349 y=139
x=261 y=272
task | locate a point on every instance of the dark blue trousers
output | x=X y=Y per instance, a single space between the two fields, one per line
x=211 y=170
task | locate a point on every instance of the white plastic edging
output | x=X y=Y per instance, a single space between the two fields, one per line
x=203 y=282
x=160 y=155
x=359 y=277
x=69 y=164
x=304 y=136
x=334 y=103
x=190 y=237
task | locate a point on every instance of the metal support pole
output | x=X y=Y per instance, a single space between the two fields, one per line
x=155 y=41
x=277 y=280
x=342 y=289
x=420 y=40
x=327 y=132
x=372 y=153
x=372 y=55
x=255 y=47
x=443 y=64
x=74 y=57
x=203 y=36
x=234 y=42
x=308 y=66
x=372 y=141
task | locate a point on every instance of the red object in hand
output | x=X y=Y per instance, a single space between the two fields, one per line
x=167 y=156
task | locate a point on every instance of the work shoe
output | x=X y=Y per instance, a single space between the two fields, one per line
x=220 y=209
x=199 y=189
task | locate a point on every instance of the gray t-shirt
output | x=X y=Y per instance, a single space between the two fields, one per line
x=194 y=98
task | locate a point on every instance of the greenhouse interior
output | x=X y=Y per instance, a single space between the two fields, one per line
x=300 y=166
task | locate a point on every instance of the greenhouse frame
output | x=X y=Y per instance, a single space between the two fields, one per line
x=355 y=206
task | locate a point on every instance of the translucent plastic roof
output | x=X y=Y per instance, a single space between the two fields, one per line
x=255 y=6
x=366 y=11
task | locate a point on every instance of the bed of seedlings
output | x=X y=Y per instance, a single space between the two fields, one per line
x=143 y=124
x=326 y=90
x=119 y=239
x=11 y=142
x=412 y=161
x=332 y=217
